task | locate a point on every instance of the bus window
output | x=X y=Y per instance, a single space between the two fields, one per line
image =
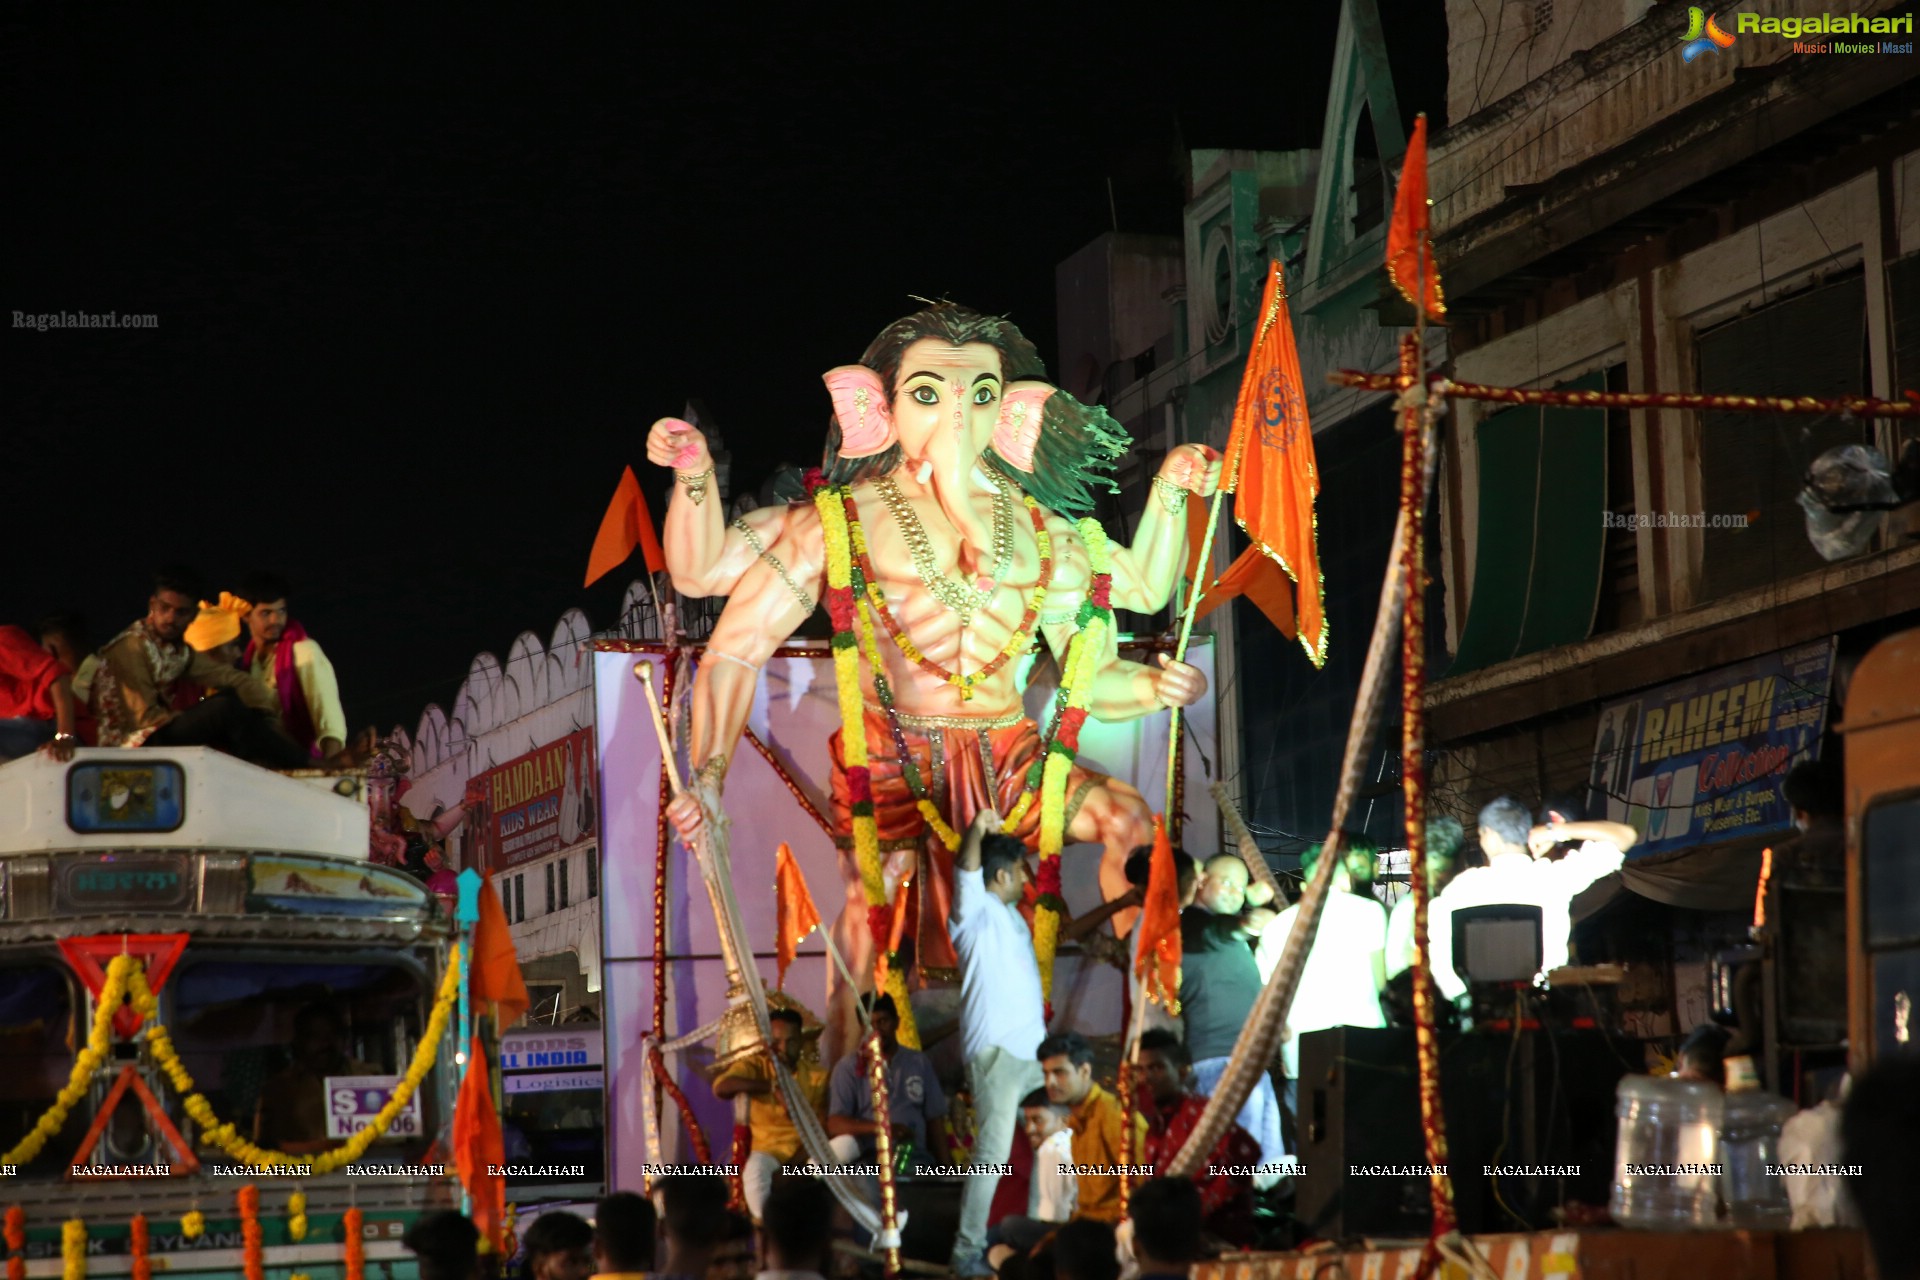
x=37 y=1021
x=261 y=1032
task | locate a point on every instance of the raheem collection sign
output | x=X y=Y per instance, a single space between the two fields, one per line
x=1702 y=760
x=541 y=802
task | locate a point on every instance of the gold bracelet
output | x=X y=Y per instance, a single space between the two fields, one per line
x=696 y=484
x=1173 y=497
x=713 y=772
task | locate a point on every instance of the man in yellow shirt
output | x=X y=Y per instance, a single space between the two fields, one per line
x=776 y=1139
x=285 y=659
x=1096 y=1119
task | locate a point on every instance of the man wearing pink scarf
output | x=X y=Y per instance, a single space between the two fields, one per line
x=283 y=657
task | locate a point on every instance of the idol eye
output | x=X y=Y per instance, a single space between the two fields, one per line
x=985 y=395
x=924 y=394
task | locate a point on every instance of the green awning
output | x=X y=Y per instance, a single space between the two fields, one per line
x=1542 y=536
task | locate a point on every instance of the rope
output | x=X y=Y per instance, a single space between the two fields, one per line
x=1261 y=1036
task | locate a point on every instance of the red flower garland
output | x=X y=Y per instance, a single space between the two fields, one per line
x=16 y=1243
x=137 y=1240
x=254 y=1247
x=356 y=1245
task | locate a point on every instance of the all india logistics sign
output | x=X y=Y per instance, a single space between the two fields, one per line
x=541 y=802
x=1702 y=760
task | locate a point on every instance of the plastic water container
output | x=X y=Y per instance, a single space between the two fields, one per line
x=1666 y=1165
x=1749 y=1142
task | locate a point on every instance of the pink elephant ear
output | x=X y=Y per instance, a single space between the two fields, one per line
x=860 y=404
x=1018 y=430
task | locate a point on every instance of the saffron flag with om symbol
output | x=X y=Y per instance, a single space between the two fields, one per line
x=1269 y=469
x=1410 y=238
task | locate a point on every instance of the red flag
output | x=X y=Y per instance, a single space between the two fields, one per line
x=794 y=913
x=1269 y=467
x=626 y=525
x=1410 y=238
x=1158 y=961
x=495 y=973
x=478 y=1146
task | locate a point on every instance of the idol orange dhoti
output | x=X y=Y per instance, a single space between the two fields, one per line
x=963 y=761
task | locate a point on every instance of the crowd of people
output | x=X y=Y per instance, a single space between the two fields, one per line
x=238 y=672
x=1023 y=1080
x=685 y=1230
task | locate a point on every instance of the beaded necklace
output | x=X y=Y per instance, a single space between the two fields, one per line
x=960 y=598
x=1016 y=643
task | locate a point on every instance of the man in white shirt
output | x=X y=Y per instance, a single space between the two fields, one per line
x=1053 y=1192
x=1340 y=983
x=1002 y=1014
x=1443 y=842
x=1514 y=874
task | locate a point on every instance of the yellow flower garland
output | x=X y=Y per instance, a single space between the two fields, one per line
x=829 y=501
x=1083 y=660
x=85 y=1063
x=73 y=1249
x=297 y=1217
x=223 y=1135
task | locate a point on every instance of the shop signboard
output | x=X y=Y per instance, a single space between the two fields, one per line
x=1702 y=760
x=539 y=803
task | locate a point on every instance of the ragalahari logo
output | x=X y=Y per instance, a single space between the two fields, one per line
x=1703 y=33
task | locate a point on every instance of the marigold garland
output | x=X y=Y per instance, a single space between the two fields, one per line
x=193 y=1225
x=73 y=1249
x=853 y=745
x=137 y=1242
x=222 y=1134
x=85 y=1063
x=356 y=1245
x=1084 y=656
x=297 y=1217
x=16 y=1237
x=253 y=1243
x=852 y=601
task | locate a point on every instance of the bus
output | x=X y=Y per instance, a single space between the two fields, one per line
x=296 y=982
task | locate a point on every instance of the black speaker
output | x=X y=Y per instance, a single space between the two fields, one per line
x=1539 y=1106
x=1358 y=1105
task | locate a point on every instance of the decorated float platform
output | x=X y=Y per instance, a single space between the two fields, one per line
x=1587 y=1254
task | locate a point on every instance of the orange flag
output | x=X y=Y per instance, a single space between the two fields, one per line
x=1158 y=961
x=1265 y=586
x=1269 y=468
x=477 y=1144
x=627 y=525
x=1410 y=239
x=794 y=913
x=495 y=974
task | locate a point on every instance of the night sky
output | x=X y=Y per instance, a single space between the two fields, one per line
x=424 y=280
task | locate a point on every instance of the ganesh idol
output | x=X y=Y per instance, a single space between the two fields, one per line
x=942 y=536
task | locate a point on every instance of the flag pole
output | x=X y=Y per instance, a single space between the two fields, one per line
x=1202 y=574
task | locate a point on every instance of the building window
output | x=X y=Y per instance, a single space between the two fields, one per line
x=1542 y=17
x=563 y=881
x=1752 y=465
x=506 y=899
x=593 y=872
x=520 y=897
x=549 y=888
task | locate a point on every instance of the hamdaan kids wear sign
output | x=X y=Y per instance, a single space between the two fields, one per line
x=540 y=802
x=1703 y=760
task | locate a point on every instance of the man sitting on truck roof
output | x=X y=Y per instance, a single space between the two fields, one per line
x=283 y=657
x=132 y=685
